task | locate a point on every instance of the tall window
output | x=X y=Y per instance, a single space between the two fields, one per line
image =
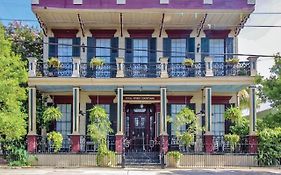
x=64 y=124
x=103 y=49
x=178 y=49
x=140 y=50
x=175 y=109
x=218 y=120
x=217 y=49
x=65 y=56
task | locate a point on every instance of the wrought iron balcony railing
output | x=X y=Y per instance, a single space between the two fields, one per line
x=163 y=69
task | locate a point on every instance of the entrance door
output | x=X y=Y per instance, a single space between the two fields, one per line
x=140 y=128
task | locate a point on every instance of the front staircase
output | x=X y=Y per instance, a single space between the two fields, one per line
x=142 y=159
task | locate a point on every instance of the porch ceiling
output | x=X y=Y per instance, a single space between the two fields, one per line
x=181 y=19
x=170 y=88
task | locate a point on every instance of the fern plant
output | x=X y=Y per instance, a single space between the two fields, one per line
x=56 y=139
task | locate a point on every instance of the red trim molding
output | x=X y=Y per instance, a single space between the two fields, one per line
x=177 y=33
x=101 y=99
x=217 y=34
x=63 y=99
x=140 y=33
x=179 y=99
x=103 y=33
x=65 y=33
x=220 y=99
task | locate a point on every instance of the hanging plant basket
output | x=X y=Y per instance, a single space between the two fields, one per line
x=95 y=62
x=53 y=66
x=232 y=61
x=188 y=62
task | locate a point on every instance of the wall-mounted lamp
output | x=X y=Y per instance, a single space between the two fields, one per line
x=83 y=47
x=198 y=48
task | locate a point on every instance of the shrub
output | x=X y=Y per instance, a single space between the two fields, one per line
x=56 y=139
x=18 y=156
x=234 y=114
x=105 y=157
x=187 y=138
x=269 y=149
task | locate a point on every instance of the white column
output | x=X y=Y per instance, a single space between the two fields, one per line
x=197 y=55
x=122 y=45
x=163 y=111
x=76 y=67
x=159 y=47
x=209 y=66
x=83 y=51
x=75 y=111
x=32 y=64
x=208 y=110
x=31 y=111
x=120 y=127
x=253 y=110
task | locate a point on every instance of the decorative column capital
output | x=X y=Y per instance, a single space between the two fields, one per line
x=164 y=67
x=120 y=67
x=209 y=66
x=76 y=66
x=32 y=64
x=253 y=65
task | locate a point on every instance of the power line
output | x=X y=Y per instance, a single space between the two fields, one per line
x=151 y=50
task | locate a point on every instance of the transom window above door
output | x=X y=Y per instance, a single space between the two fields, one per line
x=178 y=50
x=103 y=49
x=140 y=50
x=216 y=49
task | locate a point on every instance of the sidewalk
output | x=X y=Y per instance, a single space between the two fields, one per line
x=116 y=171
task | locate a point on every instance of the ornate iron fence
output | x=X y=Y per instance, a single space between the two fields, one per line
x=64 y=70
x=220 y=145
x=142 y=70
x=107 y=70
x=226 y=69
x=180 y=70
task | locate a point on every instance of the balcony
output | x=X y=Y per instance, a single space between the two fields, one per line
x=163 y=69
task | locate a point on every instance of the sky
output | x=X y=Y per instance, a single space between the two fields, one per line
x=265 y=41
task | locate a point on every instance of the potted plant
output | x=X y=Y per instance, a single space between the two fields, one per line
x=98 y=129
x=55 y=138
x=232 y=61
x=188 y=62
x=233 y=114
x=174 y=159
x=53 y=66
x=232 y=139
x=95 y=62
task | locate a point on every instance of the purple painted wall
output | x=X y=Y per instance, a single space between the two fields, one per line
x=140 y=4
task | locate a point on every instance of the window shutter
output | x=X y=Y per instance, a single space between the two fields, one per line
x=229 y=47
x=169 y=113
x=204 y=48
x=191 y=48
x=91 y=52
x=112 y=117
x=152 y=57
x=76 y=49
x=167 y=47
x=114 y=50
x=53 y=47
x=129 y=51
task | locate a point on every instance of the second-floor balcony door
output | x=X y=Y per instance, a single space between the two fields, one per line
x=217 y=49
x=103 y=51
x=140 y=58
x=65 y=57
x=178 y=54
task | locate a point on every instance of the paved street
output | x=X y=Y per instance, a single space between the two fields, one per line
x=85 y=171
